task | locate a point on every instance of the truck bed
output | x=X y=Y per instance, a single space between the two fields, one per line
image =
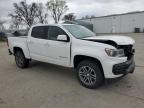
x=20 y=41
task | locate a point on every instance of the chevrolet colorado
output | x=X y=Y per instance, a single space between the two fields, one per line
x=95 y=58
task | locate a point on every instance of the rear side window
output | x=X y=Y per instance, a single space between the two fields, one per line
x=40 y=32
x=54 y=31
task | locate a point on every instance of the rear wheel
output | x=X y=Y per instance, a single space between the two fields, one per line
x=20 y=59
x=90 y=74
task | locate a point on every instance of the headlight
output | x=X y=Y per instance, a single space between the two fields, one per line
x=115 y=52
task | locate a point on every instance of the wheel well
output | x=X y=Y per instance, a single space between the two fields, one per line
x=79 y=58
x=15 y=49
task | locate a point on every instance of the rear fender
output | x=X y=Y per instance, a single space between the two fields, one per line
x=24 y=49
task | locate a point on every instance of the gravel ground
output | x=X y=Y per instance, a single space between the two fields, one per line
x=48 y=86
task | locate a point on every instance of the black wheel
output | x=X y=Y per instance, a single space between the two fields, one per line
x=90 y=74
x=20 y=59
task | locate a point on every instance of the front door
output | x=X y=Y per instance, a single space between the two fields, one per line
x=58 y=52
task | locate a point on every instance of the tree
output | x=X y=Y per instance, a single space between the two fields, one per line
x=25 y=13
x=57 y=8
x=41 y=14
x=70 y=17
x=15 y=23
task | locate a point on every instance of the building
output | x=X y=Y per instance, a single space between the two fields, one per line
x=118 y=23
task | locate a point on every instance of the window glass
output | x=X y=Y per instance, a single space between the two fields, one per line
x=79 y=31
x=54 y=31
x=40 y=32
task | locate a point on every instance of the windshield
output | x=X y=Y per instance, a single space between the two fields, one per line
x=79 y=31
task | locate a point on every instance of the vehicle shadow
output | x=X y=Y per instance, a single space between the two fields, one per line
x=53 y=70
x=65 y=73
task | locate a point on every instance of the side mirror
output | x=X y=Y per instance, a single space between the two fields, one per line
x=62 y=38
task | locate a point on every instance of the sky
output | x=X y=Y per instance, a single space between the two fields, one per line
x=84 y=7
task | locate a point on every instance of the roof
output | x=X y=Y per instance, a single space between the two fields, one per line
x=83 y=23
x=50 y=25
x=135 y=12
x=77 y=22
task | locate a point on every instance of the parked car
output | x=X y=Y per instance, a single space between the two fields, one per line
x=9 y=34
x=95 y=58
x=4 y=35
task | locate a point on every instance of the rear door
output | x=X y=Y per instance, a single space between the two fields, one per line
x=37 y=42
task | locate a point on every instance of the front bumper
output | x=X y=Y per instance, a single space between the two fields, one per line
x=124 y=68
x=115 y=67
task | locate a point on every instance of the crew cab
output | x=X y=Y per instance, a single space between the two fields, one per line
x=95 y=58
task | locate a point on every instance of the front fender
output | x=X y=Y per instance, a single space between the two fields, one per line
x=98 y=54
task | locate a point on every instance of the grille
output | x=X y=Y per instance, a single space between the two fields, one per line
x=128 y=50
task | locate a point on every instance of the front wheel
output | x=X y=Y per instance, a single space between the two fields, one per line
x=20 y=59
x=90 y=74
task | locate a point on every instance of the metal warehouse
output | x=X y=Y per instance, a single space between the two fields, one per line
x=119 y=23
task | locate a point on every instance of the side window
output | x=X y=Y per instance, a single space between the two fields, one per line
x=40 y=32
x=54 y=31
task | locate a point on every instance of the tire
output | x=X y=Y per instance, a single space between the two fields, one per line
x=20 y=60
x=90 y=74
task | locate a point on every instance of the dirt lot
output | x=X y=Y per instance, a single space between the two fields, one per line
x=48 y=86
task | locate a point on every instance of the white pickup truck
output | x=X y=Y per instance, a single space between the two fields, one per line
x=95 y=58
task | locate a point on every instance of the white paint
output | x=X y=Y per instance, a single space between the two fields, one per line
x=63 y=53
x=121 y=40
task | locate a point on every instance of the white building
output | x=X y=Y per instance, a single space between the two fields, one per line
x=119 y=23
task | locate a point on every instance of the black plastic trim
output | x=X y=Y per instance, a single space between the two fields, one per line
x=124 y=68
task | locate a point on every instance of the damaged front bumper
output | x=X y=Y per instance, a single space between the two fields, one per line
x=124 y=68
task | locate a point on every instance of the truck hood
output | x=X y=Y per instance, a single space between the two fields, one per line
x=114 y=39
